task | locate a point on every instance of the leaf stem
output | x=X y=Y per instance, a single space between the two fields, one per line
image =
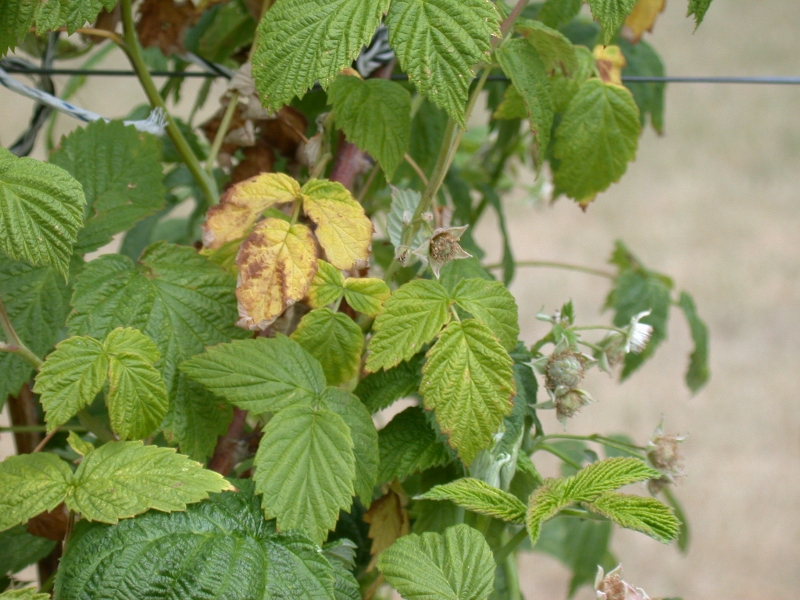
x=70 y=526
x=556 y=265
x=599 y=328
x=319 y=168
x=222 y=131
x=417 y=169
x=15 y=344
x=131 y=48
x=512 y=16
x=599 y=439
x=508 y=548
x=557 y=453
x=580 y=514
x=44 y=441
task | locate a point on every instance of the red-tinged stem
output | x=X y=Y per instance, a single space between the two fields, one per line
x=224 y=458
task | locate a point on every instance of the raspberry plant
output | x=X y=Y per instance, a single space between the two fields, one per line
x=208 y=391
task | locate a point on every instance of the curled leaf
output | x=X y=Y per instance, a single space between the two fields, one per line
x=242 y=204
x=276 y=265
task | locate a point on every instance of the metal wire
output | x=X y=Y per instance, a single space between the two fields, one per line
x=400 y=77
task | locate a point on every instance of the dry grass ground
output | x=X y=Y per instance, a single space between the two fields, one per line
x=713 y=203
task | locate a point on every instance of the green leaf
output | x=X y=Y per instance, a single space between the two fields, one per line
x=334 y=340
x=438 y=42
x=480 y=497
x=596 y=139
x=366 y=294
x=642 y=61
x=31 y=484
x=365 y=438
x=305 y=468
x=523 y=65
x=491 y=303
x=611 y=14
x=375 y=115
x=327 y=286
x=469 y=383
x=512 y=107
x=564 y=88
x=260 y=375
x=382 y=389
x=18 y=549
x=16 y=18
x=455 y=566
x=120 y=171
x=411 y=318
x=70 y=378
x=183 y=302
x=78 y=444
x=555 y=51
x=220 y=549
x=543 y=505
x=408 y=444
x=37 y=302
x=72 y=13
x=557 y=13
x=123 y=479
x=41 y=210
x=24 y=594
x=401 y=212
x=137 y=397
x=302 y=41
x=456 y=271
x=647 y=515
x=698 y=8
x=698 y=373
x=605 y=476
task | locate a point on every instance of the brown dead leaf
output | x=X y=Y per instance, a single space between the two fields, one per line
x=163 y=23
x=642 y=18
x=51 y=525
x=276 y=263
x=242 y=205
x=388 y=520
x=257 y=159
x=610 y=62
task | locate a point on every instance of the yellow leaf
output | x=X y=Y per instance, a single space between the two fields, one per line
x=276 y=265
x=642 y=18
x=388 y=520
x=242 y=205
x=610 y=62
x=343 y=230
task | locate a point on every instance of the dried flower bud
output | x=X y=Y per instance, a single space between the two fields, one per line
x=665 y=455
x=442 y=248
x=570 y=403
x=564 y=371
x=612 y=587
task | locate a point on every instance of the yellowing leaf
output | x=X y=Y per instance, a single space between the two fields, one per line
x=276 y=265
x=388 y=520
x=343 y=230
x=643 y=17
x=610 y=62
x=241 y=206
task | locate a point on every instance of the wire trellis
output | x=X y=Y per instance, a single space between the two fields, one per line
x=748 y=80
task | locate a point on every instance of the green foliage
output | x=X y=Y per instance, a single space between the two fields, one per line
x=18 y=549
x=376 y=116
x=408 y=444
x=24 y=594
x=491 y=303
x=647 y=515
x=478 y=496
x=334 y=340
x=468 y=382
x=36 y=300
x=698 y=373
x=380 y=390
x=219 y=548
x=642 y=61
x=260 y=375
x=305 y=469
x=438 y=42
x=31 y=484
x=366 y=295
x=698 y=8
x=181 y=301
x=41 y=210
x=523 y=65
x=302 y=41
x=557 y=13
x=76 y=372
x=411 y=318
x=457 y=565
x=596 y=139
x=119 y=169
x=611 y=15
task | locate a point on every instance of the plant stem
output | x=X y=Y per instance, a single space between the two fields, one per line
x=556 y=265
x=319 y=168
x=580 y=514
x=15 y=344
x=599 y=328
x=38 y=428
x=222 y=131
x=131 y=48
x=508 y=548
x=70 y=526
x=557 y=453
x=95 y=426
x=417 y=169
x=599 y=439
x=44 y=441
x=512 y=16
x=365 y=188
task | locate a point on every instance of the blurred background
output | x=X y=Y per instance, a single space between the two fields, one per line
x=714 y=204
